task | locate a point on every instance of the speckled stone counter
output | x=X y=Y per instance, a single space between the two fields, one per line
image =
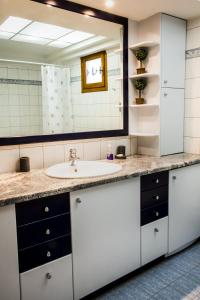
x=18 y=187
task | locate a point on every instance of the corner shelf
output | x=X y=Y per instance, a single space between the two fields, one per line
x=144 y=75
x=144 y=134
x=147 y=44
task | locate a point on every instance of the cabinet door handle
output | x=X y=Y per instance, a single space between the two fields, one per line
x=174 y=177
x=157 y=197
x=48 y=276
x=165 y=94
x=46 y=209
x=48 y=232
x=78 y=200
x=156 y=230
x=165 y=81
x=157 y=213
x=48 y=254
x=157 y=181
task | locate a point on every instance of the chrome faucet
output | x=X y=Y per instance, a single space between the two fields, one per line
x=73 y=157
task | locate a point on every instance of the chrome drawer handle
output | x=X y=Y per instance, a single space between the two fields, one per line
x=157 y=213
x=157 y=181
x=157 y=197
x=48 y=232
x=48 y=254
x=48 y=276
x=46 y=209
x=156 y=230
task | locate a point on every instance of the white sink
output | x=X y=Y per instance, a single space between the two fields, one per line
x=83 y=169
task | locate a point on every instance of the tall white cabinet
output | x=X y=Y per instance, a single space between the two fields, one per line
x=158 y=124
x=105 y=224
x=9 y=278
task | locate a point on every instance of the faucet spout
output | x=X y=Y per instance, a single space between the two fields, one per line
x=73 y=157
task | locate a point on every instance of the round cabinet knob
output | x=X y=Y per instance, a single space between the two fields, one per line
x=165 y=94
x=157 y=197
x=157 y=181
x=48 y=254
x=46 y=209
x=165 y=81
x=174 y=177
x=156 y=230
x=78 y=200
x=157 y=213
x=48 y=276
x=48 y=232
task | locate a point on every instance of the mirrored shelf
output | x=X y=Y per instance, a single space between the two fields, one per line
x=147 y=44
x=144 y=134
x=144 y=105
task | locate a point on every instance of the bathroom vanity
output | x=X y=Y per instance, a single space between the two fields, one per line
x=69 y=238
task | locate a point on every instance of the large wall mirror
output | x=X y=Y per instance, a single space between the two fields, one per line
x=43 y=45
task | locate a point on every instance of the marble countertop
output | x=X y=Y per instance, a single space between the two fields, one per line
x=19 y=187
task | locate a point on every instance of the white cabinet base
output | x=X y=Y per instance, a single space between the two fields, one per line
x=35 y=284
x=154 y=240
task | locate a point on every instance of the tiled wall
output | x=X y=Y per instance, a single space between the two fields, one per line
x=192 y=91
x=46 y=154
x=20 y=99
x=97 y=111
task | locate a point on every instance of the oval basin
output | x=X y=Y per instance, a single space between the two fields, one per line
x=83 y=169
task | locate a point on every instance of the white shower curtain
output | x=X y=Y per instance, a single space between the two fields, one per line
x=56 y=99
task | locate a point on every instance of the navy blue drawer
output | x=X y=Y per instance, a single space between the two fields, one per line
x=154 y=213
x=152 y=181
x=44 y=253
x=154 y=197
x=43 y=208
x=43 y=231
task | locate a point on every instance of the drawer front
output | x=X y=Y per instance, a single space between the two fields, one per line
x=35 y=210
x=154 y=213
x=44 y=253
x=154 y=240
x=43 y=231
x=155 y=180
x=48 y=282
x=154 y=197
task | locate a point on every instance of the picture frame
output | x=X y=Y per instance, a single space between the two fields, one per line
x=94 y=73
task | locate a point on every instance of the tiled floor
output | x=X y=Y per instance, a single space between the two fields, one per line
x=175 y=278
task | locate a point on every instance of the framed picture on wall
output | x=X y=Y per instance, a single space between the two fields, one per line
x=94 y=74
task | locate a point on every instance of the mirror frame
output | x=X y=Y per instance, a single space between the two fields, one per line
x=82 y=9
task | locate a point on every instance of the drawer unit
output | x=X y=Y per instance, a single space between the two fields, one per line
x=43 y=231
x=154 y=197
x=152 y=181
x=44 y=253
x=47 y=207
x=49 y=282
x=154 y=213
x=154 y=240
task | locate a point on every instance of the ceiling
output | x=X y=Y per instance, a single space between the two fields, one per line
x=141 y=9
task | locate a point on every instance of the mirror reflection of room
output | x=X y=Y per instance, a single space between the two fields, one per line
x=41 y=83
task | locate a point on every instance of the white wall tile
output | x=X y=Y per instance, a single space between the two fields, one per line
x=92 y=151
x=192 y=145
x=53 y=155
x=9 y=159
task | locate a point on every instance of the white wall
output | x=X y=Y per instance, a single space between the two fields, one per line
x=192 y=91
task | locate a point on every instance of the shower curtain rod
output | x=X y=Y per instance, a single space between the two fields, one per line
x=31 y=63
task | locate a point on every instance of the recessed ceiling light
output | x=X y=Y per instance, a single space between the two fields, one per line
x=6 y=35
x=46 y=31
x=14 y=24
x=30 y=39
x=58 y=44
x=109 y=3
x=76 y=37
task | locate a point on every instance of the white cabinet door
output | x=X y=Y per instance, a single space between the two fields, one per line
x=184 y=206
x=154 y=240
x=52 y=281
x=105 y=234
x=9 y=270
x=171 y=121
x=173 y=45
